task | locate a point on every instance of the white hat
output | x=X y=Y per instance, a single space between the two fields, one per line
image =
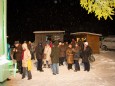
x=86 y=43
x=60 y=43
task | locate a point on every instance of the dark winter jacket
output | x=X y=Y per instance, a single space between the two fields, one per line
x=86 y=54
x=76 y=53
x=39 y=51
x=62 y=50
x=55 y=54
x=81 y=45
x=18 y=53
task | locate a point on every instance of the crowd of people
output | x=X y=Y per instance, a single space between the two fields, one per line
x=51 y=55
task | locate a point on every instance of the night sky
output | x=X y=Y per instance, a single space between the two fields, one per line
x=26 y=16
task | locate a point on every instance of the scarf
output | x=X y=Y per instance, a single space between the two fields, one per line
x=22 y=57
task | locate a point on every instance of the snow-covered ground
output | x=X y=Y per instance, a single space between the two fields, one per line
x=102 y=74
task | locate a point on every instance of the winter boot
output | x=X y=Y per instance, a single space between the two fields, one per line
x=48 y=66
x=44 y=66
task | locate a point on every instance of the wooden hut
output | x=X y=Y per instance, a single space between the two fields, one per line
x=92 y=38
x=43 y=36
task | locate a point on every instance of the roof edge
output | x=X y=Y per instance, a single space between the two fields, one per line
x=85 y=33
x=49 y=32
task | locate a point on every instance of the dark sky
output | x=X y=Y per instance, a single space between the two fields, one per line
x=26 y=16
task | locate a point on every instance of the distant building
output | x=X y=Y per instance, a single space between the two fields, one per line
x=92 y=38
x=43 y=36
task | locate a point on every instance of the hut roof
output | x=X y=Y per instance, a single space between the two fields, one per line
x=78 y=33
x=48 y=31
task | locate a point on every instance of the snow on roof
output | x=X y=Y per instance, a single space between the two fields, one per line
x=77 y=33
x=48 y=31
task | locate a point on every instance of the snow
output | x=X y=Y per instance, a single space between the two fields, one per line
x=102 y=74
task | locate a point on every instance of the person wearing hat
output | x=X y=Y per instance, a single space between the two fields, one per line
x=18 y=52
x=62 y=54
x=86 y=54
x=39 y=56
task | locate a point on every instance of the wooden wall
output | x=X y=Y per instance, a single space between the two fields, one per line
x=41 y=37
x=93 y=41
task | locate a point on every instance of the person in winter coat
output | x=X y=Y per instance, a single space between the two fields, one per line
x=29 y=44
x=66 y=45
x=18 y=52
x=39 y=56
x=47 y=58
x=62 y=54
x=55 y=58
x=69 y=56
x=76 y=58
x=73 y=42
x=26 y=56
x=85 y=55
x=32 y=51
x=81 y=46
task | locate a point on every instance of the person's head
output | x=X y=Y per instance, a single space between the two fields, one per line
x=56 y=43
x=25 y=41
x=29 y=42
x=66 y=42
x=16 y=43
x=70 y=46
x=47 y=44
x=39 y=44
x=76 y=45
x=60 y=43
x=80 y=40
x=85 y=44
x=73 y=40
x=24 y=46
